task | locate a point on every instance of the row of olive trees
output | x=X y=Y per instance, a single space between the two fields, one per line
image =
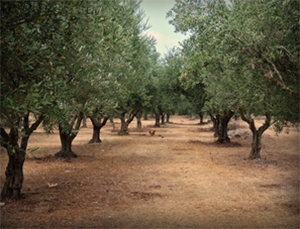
x=246 y=56
x=61 y=60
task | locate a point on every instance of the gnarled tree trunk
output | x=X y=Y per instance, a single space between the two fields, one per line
x=125 y=124
x=66 y=139
x=216 y=124
x=14 y=173
x=14 y=170
x=256 y=133
x=67 y=135
x=98 y=123
x=224 y=119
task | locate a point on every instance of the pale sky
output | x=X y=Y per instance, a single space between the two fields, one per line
x=161 y=30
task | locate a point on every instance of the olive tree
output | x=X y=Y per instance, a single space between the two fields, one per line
x=30 y=58
x=247 y=63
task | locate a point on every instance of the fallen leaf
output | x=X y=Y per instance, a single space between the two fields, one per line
x=52 y=185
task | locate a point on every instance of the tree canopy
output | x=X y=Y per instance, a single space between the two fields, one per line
x=247 y=55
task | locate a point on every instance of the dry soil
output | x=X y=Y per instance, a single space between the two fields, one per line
x=178 y=178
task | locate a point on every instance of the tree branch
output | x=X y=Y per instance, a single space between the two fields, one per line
x=36 y=124
x=79 y=119
x=250 y=121
x=4 y=138
x=280 y=81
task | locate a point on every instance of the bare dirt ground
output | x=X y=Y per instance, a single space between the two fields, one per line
x=178 y=178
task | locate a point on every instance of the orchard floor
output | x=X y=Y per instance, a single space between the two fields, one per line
x=178 y=178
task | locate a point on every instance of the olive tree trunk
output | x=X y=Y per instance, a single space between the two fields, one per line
x=256 y=133
x=14 y=171
x=66 y=139
x=157 y=119
x=201 y=118
x=98 y=123
x=162 y=119
x=224 y=120
x=158 y=114
x=168 y=118
x=125 y=123
x=67 y=134
x=138 y=120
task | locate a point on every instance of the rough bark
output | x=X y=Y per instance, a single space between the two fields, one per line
x=256 y=133
x=67 y=136
x=14 y=174
x=125 y=124
x=98 y=123
x=66 y=139
x=224 y=119
x=14 y=171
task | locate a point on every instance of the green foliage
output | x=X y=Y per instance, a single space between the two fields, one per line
x=60 y=58
x=246 y=53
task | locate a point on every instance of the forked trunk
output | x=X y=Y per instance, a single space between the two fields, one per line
x=97 y=125
x=256 y=133
x=68 y=135
x=125 y=124
x=66 y=140
x=14 y=171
